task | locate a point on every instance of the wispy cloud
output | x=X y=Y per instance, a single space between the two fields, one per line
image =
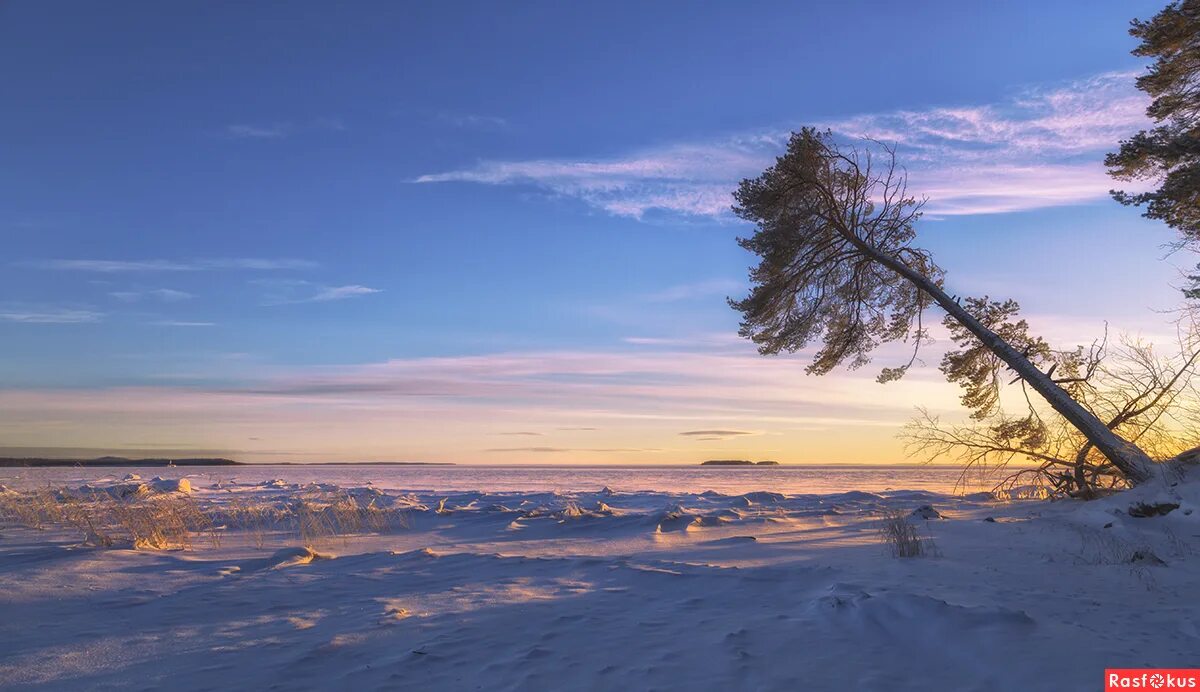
x=51 y=316
x=343 y=292
x=162 y=295
x=473 y=121
x=521 y=433
x=258 y=131
x=699 y=289
x=562 y=450
x=694 y=340
x=280 y=130
x=532 y=450
x=716 y=434
x=691 y=179
x=162 y=265
x=714 y=387
x=290 y=291
x=1039 y=149
x=450 y=408
x=652 y=341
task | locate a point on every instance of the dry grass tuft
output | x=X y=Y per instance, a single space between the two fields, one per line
x=254 y=519
x=157 y=522
x=34 y=509
x=321 y=516
x=165 y=521
x=902 y=538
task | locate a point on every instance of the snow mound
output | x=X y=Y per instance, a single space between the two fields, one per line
x=1170 y=498
x=888 y=614
x=764 y=497
x=171 y=485
x=926 y=512
x=291 y=557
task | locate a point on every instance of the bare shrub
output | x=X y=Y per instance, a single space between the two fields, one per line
x=1146 y=397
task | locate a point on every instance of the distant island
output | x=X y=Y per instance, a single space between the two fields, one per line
x=115 y=461
x=737 y=462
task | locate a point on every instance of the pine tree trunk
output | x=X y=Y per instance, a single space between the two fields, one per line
x=1133 y=463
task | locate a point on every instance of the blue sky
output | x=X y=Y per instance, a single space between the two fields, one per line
x=429 y=230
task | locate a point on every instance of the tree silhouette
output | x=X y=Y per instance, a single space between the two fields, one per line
x=1168 y=153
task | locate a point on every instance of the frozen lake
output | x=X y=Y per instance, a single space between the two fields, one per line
x=683 y=479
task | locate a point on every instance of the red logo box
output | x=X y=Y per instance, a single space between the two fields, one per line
x=1116 y=679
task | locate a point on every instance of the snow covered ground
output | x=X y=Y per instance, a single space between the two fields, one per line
x=610 y=590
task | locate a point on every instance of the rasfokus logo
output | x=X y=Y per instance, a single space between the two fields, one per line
x=1151 y=679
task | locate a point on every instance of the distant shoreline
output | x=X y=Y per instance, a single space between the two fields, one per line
x=113 y=462
x=349 y=463
x=10 y=462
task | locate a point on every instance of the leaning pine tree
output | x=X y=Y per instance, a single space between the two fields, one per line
x=835 y=232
